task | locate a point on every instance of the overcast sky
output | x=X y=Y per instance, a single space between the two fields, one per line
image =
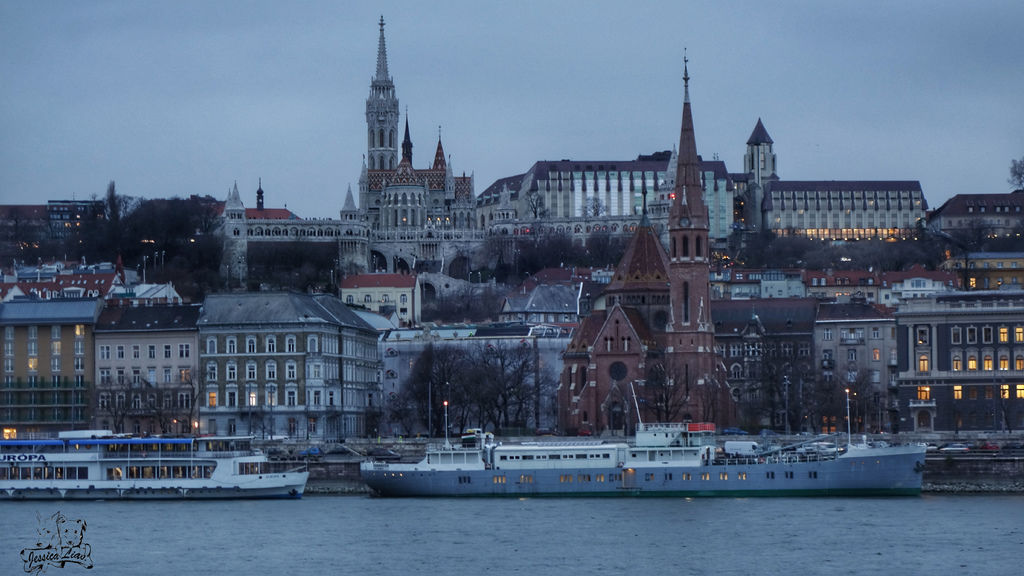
x=177 y=98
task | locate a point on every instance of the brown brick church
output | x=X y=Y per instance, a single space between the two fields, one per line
x=647 y=351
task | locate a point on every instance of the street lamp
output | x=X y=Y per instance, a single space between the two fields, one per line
x=785 y=381
x=848 y=433
x=446 y=444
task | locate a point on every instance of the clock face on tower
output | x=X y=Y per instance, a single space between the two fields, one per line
x=380 y=117
x=684 y=221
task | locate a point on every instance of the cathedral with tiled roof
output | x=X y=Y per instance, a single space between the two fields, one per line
x=407 y=218
x=410 y=208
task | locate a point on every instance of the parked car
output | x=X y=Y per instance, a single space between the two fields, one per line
x=1013 y=448
x=312 y=452
x=385 y=454
x=734 y=432
x=987 y=446
x=955 y=447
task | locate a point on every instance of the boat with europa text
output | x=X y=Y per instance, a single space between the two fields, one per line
x=97 y=464
x=676 y=459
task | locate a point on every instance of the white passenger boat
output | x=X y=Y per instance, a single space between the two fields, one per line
x=96 y=464
x=664 y=460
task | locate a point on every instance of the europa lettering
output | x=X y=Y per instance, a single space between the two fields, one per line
x=22 y=458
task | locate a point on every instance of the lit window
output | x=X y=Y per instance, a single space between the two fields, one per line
x=922 y=363
x=958 y=392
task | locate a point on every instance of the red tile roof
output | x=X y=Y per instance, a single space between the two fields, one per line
x=378 y=281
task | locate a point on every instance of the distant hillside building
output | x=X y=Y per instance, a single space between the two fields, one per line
x=823 y=209
x=971 y=215
x=579 y=198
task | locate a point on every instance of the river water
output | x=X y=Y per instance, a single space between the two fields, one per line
x=933 y=534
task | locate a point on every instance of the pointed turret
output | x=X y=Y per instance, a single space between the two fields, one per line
x=350 y=202
x=407 y=143
x=382 y=56
x=759 y=135
x=259 y=196
x=688 y=210
x=439 y=162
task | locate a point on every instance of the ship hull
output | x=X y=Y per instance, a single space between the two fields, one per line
x=288 y=485
x=883 y=472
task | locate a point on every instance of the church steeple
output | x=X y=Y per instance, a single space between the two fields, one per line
x=688 y=209
x=382 y=114
x=382 y=56
x=690 y=331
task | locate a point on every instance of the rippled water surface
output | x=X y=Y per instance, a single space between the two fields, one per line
x=938 y=535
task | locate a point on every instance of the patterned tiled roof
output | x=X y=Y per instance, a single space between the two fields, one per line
x=644 y=265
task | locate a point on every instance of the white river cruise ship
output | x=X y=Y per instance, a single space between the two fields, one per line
x=97 y=464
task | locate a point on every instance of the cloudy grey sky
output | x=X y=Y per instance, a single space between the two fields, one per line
x=177 y=98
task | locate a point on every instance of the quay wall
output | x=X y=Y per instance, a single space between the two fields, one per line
x=973 y=474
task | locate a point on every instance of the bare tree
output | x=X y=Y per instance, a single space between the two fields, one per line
x=113 y=402
x=594 y=207
x=665 y=393
x=505 y=389
x=1016 y=178
x=535 y=204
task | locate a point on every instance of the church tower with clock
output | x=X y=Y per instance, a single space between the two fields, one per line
x=690 y=334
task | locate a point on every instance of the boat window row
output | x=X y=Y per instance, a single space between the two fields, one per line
x=233 y=445
x=253 y=467
x=136 y=448
x=576 y=456
x=44 y=473
x=581 y=478
x=150 y=472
